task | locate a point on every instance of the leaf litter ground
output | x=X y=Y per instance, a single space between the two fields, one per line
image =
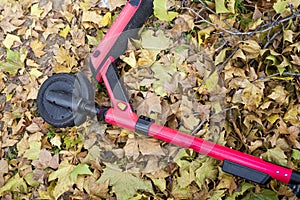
x=249 y=48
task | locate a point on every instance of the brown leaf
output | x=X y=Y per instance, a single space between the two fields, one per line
x=151 y=103
x=150 y=146
x=33 y=128
x=46 y=160
x=131 y=148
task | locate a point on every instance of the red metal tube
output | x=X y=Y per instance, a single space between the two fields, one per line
x=219 y=152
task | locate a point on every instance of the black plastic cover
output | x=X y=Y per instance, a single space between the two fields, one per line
x=143 y=124
x=245 y=172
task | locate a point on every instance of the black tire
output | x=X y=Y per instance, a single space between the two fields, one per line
x=56 y=115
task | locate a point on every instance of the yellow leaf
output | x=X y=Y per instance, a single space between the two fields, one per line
x=64 y=33
x=280 y=6
x=161 y=11
x=65 y=61
x=292 y=115
x=147 y=57
x=58 y=68
x=252 y=96
x=220 y=7
x=106 y=20
x=85 y=5
x=35 y=10
x=273 y=118
x=37 y=48
x=10 y=40
x=35 y=72
x=61 y=56
x=211 y=82
x=34 y=150
x=71 y=61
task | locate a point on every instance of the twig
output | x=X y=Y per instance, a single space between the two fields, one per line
x=259 y=29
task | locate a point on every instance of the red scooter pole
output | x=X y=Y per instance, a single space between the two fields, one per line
x=56 y=109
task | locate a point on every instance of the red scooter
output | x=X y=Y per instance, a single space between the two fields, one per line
x=66 y=100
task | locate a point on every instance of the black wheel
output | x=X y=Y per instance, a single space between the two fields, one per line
x=59 y=97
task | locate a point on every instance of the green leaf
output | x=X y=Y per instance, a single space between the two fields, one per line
x=276 y=155
x=13 y=62
x=30 y=180
x=296 y=154
x=156 y=41
x=124 y=184
x=15 y=183
x=217 y=195
x=66 y=176
x=220 y=7
x=81 y=169
x=207 y=170
x=33 y=152
x=64 y=179
x=280 y=6
x=186 y=177
x=161 y=11
x=265 y=195
x=160 y=183
x=245 y=187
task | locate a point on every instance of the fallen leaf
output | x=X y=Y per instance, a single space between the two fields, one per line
x=13 y=62
x=66 y=175
x=150 y=146
x=106 y=20
x=92 y=16
x=81 y=169
x=113 y=4
x=35 y=10
x=280 y=6
x=34 y=150
x=37 y=47
x=207 y=170
x=130 y=60
x=161 y=11
x=220 y=7
x=251 y=48
x=276 y=155
x=279 y=94
x=16 y=183
x=124 y=184
x=156 y=41
x=10 y=40
x=64 y=33
x=46 y=160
